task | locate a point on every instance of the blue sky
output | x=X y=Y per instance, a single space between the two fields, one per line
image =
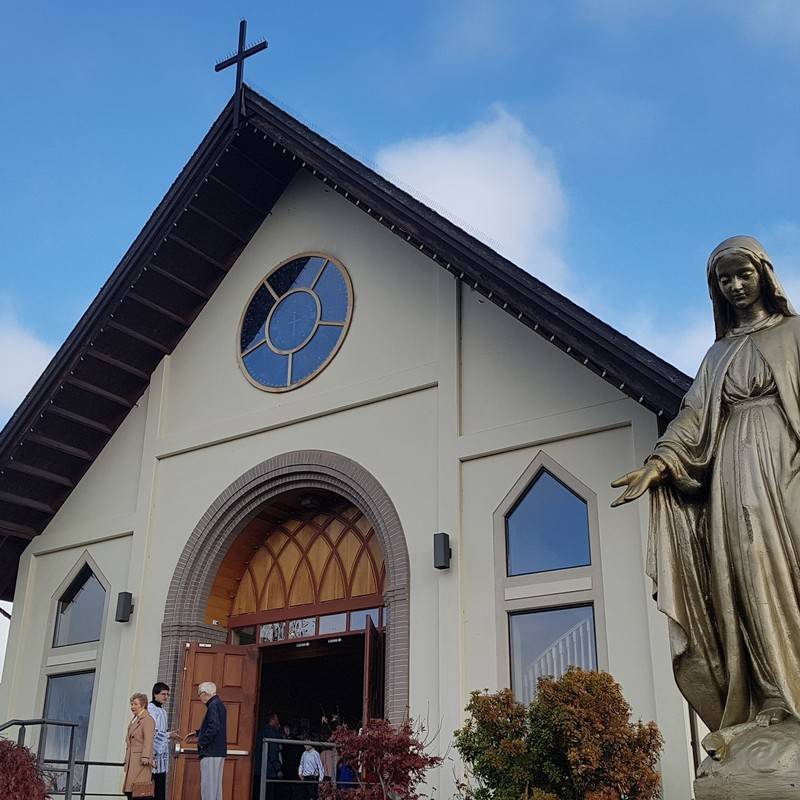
x=605 y=145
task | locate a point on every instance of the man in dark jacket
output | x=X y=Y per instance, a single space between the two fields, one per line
x=272 y=730
x=212 y=742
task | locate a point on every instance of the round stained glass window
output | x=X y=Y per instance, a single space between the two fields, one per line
x=295 y=322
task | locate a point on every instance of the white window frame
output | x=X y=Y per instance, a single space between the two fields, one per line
x=553 y=589
x=71 y=658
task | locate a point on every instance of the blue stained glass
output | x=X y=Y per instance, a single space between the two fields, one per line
x=548 y=529
x=266 y=367
x=292 y=321
x=255 y=317
x=311 y=357
x=297 y=274
x=311 y=292
x=333 y=294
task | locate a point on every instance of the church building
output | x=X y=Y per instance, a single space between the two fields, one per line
x=318 y=444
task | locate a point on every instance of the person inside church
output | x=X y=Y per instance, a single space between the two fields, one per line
x=162 y=738
x=212 y=742
x=272 y=730
x=345 y=776
x=310 y=771
x=139 y=749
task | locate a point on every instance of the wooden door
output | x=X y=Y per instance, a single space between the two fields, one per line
x=235 y=671
x=373 y=673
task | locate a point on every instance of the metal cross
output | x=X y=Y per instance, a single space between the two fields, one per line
x=297 y=319
x=241 y=54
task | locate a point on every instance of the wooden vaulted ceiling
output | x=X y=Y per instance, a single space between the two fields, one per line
x=291 y=561
x=193 y=238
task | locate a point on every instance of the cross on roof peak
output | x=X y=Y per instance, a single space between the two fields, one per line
x=238 y=58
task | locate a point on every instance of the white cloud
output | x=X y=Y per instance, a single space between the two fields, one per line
x=23 y=356
x=496 y=180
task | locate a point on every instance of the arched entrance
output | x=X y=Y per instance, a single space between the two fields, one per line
x=361 y=563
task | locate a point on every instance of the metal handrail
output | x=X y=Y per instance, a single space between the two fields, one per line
x=70 y=762
x=23 y=724
x=85 y=777
x=265 y=743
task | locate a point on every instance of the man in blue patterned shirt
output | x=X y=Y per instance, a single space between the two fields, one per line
x=161 y=739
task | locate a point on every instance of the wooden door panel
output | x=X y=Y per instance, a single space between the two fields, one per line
x=372 y=702
x=235 y=671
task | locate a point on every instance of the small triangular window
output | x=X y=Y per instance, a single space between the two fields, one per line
x=79 y=617
x=547 y=529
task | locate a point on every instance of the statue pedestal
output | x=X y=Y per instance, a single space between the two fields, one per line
x=757 y=764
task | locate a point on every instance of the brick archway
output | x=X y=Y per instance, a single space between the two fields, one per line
x=184 y=613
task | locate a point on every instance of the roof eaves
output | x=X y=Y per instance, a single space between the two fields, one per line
x=134 y=260
x=615 y=357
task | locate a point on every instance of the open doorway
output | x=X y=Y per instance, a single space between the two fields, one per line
x=301 y=593
x=314 y=687
x=305 y=681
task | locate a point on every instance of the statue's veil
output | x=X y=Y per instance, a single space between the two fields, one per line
x=775 y=299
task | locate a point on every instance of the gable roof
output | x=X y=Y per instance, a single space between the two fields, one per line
x=184 y=251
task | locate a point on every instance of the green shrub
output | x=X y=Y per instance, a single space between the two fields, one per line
x=574 y=742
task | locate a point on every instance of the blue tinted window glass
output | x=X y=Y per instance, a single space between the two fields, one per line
x=547 y=643
x=358 y=619
x=80 y=613
x=547 y=529
x=333 y=623
x=312 y=356
x=333 y=294
x=302 y=311
x=302 y=272
x=255 y=317
x=292 y=321
x=68 y=698
x=266 y=367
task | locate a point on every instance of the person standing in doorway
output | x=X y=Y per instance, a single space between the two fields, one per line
x=274 y=768
x=310 y=771
x=212 y=742
x=161 y=739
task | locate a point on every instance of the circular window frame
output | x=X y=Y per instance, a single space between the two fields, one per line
x=345 y=327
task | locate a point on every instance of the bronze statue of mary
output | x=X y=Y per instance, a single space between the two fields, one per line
x=724 y=546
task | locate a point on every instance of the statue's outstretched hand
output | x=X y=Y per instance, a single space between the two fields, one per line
x=638 y=482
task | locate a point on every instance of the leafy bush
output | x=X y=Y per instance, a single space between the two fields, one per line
x=390 y=762
x=20 y=778
x=574 y=742
x=494 y=743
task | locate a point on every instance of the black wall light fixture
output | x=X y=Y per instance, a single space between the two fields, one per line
x=441 y=551
x=124 y=607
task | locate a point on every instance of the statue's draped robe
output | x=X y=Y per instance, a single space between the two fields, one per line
x=724 y=550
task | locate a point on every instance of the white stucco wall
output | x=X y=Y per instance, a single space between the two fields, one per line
x=443 y=398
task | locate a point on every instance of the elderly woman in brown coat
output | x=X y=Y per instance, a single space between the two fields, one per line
x=139 y=747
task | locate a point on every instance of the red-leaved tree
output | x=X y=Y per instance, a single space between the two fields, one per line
x=390 y=762
x=20 y=778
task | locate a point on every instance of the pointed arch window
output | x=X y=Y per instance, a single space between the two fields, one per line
x=550 y=612
x=547 y=529
x=80 y=611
